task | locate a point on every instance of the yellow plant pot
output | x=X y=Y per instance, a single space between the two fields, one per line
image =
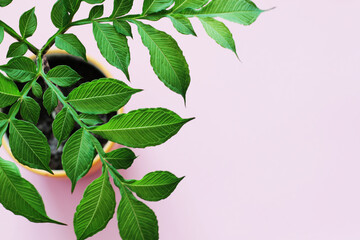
x=61 y=173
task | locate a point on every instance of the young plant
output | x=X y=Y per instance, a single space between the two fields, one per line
x=137 y=129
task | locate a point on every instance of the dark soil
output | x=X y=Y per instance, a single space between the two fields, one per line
x=89 y=72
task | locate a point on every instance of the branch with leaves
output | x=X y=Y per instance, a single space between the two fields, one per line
x=137 y=129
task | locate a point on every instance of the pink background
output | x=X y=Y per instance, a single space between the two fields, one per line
x=274 y=151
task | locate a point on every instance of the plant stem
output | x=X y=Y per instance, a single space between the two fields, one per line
x=15 y=35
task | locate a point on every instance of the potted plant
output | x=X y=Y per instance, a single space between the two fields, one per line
x=28 y=80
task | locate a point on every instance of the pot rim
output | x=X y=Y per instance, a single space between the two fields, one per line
x=96 y=162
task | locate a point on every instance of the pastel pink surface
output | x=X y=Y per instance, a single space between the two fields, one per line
x=274 y=150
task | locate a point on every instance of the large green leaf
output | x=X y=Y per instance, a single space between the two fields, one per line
x=96 y=12
x=22 y=69
x=63 y=76
x=95 y=209
x=113 y=46
x=2 y=31
x=9 y=92
x=100 y=96
x=78 y=155
x=30 y=110
x=183 y=4
x=166 y=58
x=59 y=16
x=136 y=221
x=71 y=44
x=123 y=28
x=182 y=24
x=219 y=32
x=121 y=158
x=155 y=186
x=28 y=23
x=63 y=125
x=121 y=7
x=240 y=11
x=141 y=128
x=29 y=145
x=90 y=119
x=4 y=3
x=17 y=49
x=19 y=195
x=50 y=100
x=153 y=6
x=72 y=5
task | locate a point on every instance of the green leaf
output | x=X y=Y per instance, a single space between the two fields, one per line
x=155 y=186
x=63 y=76
x=71 y=44
x=219 y=32
x=37 y=90
x=50 y=100
x=4 y=3
x=59 y=16
x=166 y=58
x=121 y=7
x=183 y=4
x=113 y=46
x=2 y=31
x=72 y=5
x=28 y=23
x=96 y=208
x=63 y=125
x=90 y=119
x=239 y=11
x=30 y=110
x=136 y=221
x=14 y=109
x=20 y=196
x=29 y=145
x=96 y=12
x=121 y=158
x=17 y=49
x=182 y=24
x=78 y=155
x=22 y=69
x=141 y=128
x=3 y=129
x=100 y=96
x=123 y=28
x=9 y=92
x=153 y=6
x=94 y=1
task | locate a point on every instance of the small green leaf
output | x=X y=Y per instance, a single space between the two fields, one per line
x=153 y=6
x=219 y=32
x=72 y=5
x=63 y=76
x=2 y=31
x=20 y=196
x=59 y=16
x=141 y=128
x=29 y=145
x=113 y=46
x=63 y=125
x=22 y=69
x=50 y=100
x=95 y=209
x=17 y=49
x=123 y=28
x=4 y=3
x=30 y=110
x=96 y=12
x=90 y=119
x=182 y=24
x=14 y=109
x=166 y=58
x=94 y=1
x=136 y=221
x=78 y=155
x=192 y=4
x=155 y=186
x=37 y=90
x=3 y=130
x=100 y=96
x=28 y=23
x=9 y=92
x=71 y=44
x=121 y=7
x=121 y=158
